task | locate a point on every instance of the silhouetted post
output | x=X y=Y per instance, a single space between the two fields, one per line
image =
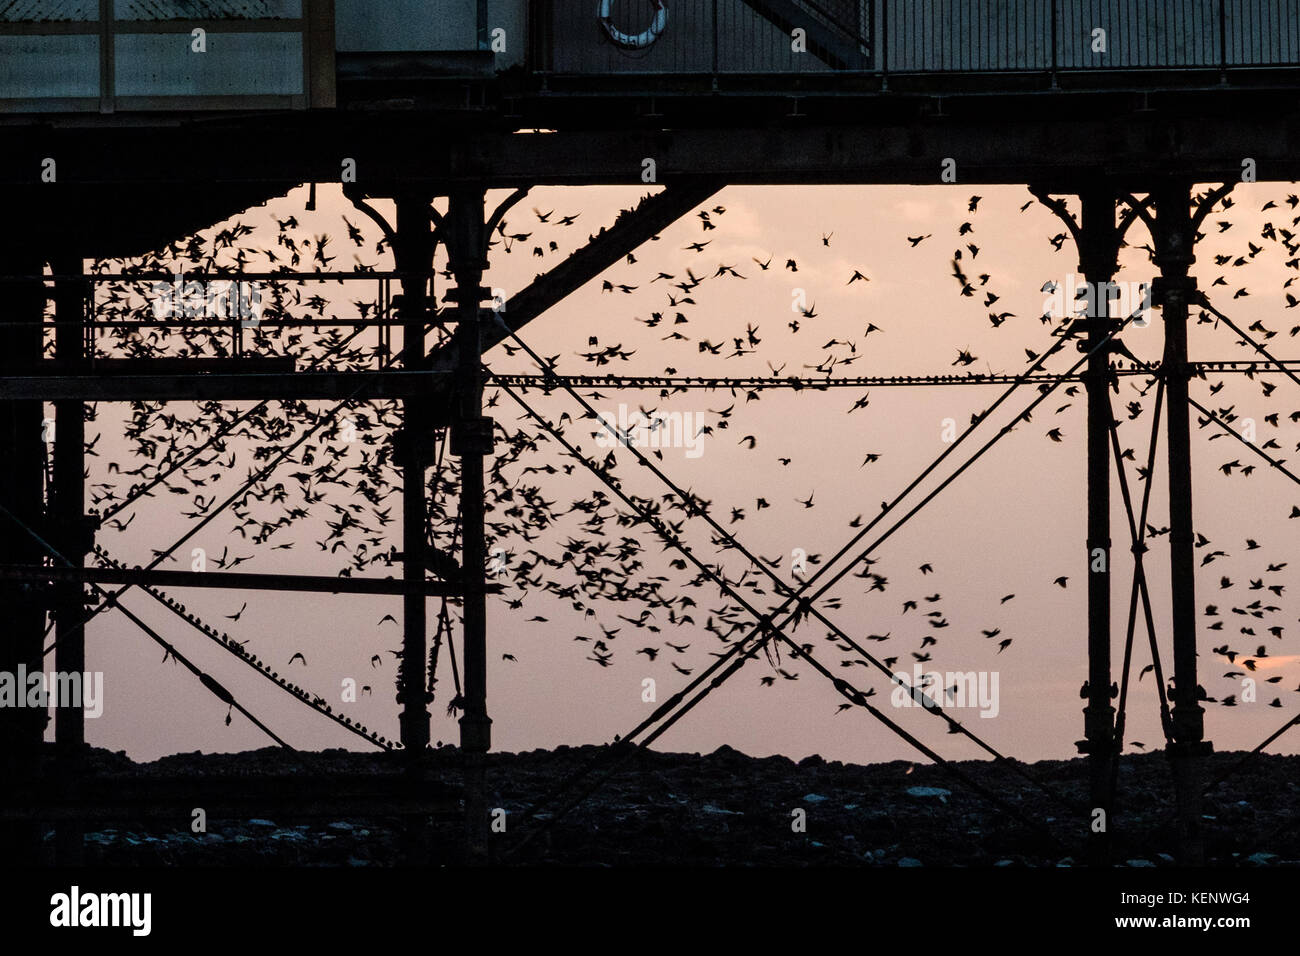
x=22 y=729
x=413 y=253
x=471 y=441
x=1175 y=252
x=73 y=538
x=1098 y=260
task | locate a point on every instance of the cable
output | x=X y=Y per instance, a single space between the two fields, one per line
x=1204 y=301
x=110 y=601
x=237 y=650
x=1137 y=531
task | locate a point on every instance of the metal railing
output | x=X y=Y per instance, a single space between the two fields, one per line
x=887 y=37
x=111 y=55
x=706 y=37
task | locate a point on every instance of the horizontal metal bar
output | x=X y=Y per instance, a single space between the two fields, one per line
x=1048 y=145
x=295 y=386
x=100 y=325
x=252 y=364
x=677 y=383
x=234 y=580
x=127 y=278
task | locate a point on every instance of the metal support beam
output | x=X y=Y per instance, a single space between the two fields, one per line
x=868 y=139
x=471 y=441
x=413 y=248
x=73 y=539
x=1098 y=240
x=1175 y=252
x=234 y=580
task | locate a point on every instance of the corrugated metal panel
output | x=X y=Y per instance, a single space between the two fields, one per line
x=935 y=35
x=1138 y=33
x=207 y=9
x=1262 y=32
x=749 y=43
x=49 y=66
x=236 y=64
x=48 y=11
x=851 y=16
x=512 y=17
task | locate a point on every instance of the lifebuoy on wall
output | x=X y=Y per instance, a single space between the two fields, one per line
x=633 y=41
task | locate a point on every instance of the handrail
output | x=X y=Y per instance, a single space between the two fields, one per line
x=580 y=52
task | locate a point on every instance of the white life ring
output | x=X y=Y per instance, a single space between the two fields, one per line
x=639 y=41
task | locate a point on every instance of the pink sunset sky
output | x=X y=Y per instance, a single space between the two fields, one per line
x=1012 y=524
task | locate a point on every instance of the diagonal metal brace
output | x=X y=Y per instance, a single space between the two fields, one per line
x=607 y=247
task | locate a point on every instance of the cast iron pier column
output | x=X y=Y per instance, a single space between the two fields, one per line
x=413 y=252
x=1175 y=241
x=471 y=441
x=1098 y=260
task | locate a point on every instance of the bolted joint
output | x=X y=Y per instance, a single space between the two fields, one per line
x=1188 y=721
x=476 y=734
x=1099 y=259
x=412 y=308
x=1084 y=328
x=460 y=295
x=1175 y=289
x=414 y=696
x=1098 y=728
x=413 y=450
x=462 y=265
x=1101 y=716
x=473 y=436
